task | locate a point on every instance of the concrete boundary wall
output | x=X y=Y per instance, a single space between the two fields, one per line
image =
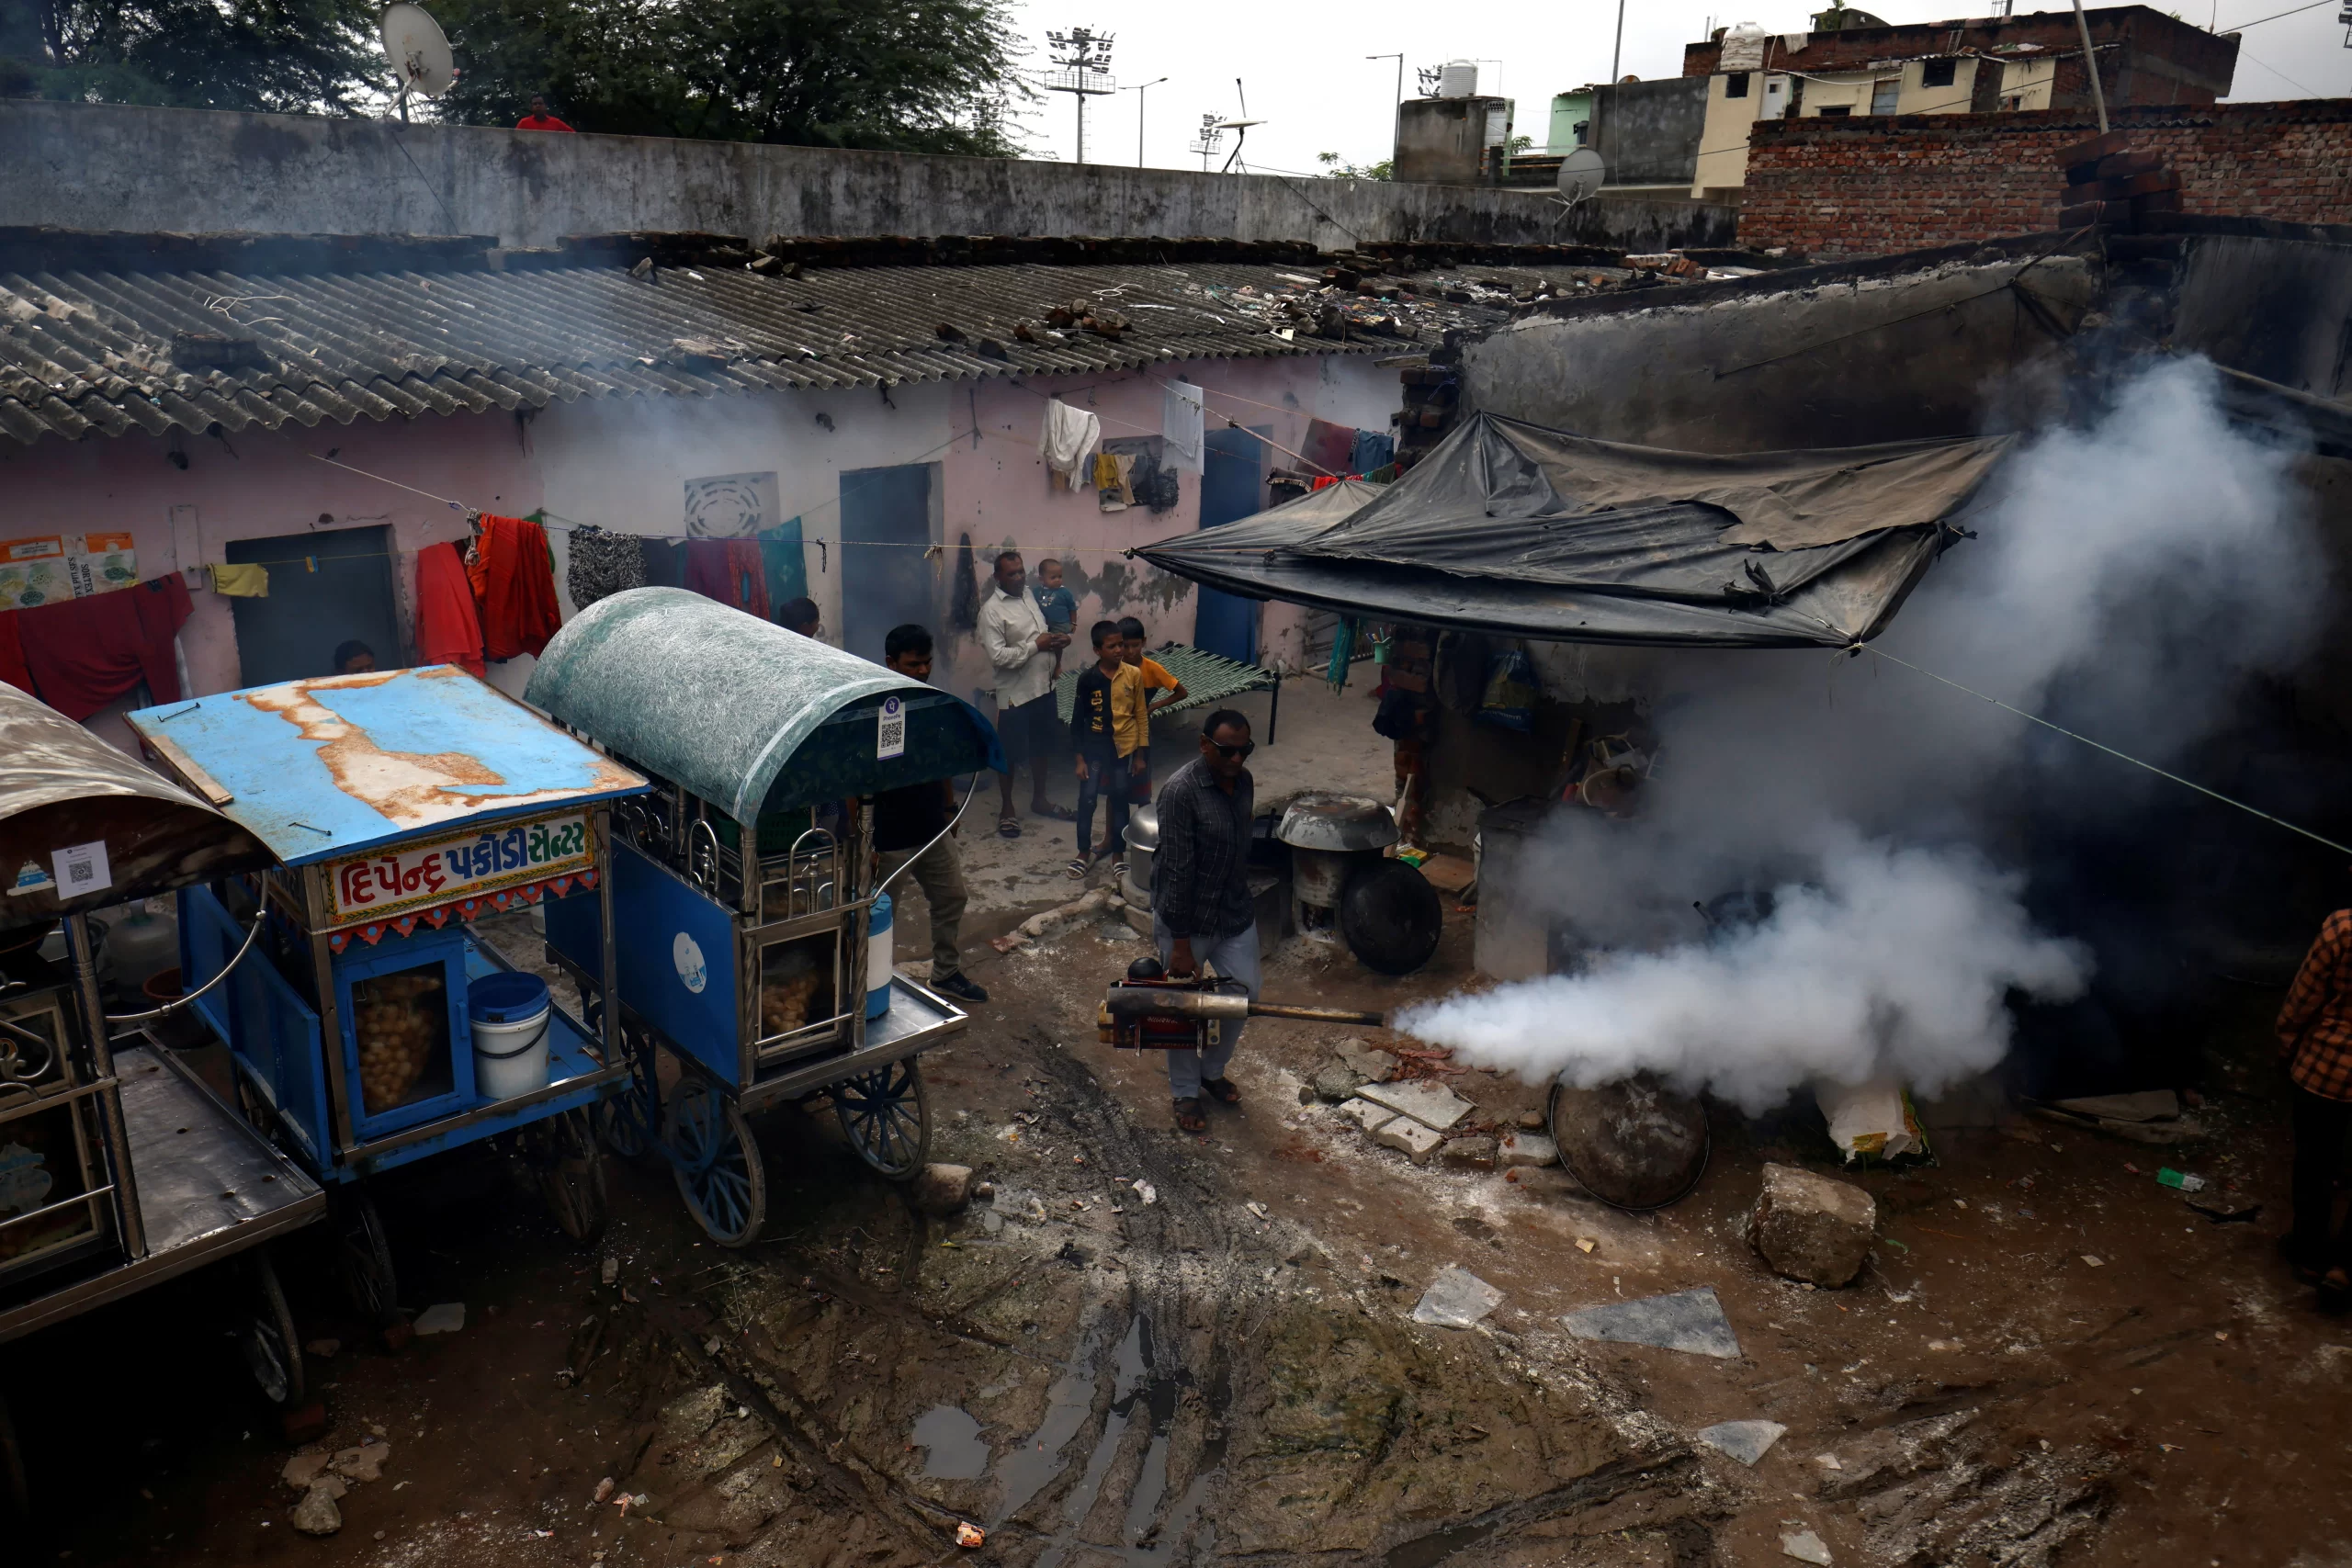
x=110 y=167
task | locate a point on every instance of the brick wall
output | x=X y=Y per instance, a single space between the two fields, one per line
x=1832 y=188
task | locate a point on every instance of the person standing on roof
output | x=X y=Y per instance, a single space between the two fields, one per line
x=1013 y=636
x=539 y=118
x=1201 y=910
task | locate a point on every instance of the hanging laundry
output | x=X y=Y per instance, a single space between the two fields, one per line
x=83 y=653
x=665 y=562
x=1327 y=447
x=1373 y=449
x=250 y=580
x=1119 y=494
x=787 y=562
x=1067 y=438
x=602 y=565
x=12 y=655
x=448 y=623
x=964 y=608
x=515 y=587
x=732 y=572
x=1180 y=421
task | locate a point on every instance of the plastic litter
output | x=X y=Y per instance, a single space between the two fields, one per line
x=2181 y=1180
x=1806 y=1547
x=968 y=1534
x=1456 y=1298
x=1686 y=1320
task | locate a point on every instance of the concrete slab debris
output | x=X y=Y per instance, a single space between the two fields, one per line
x=1529 y=1149
x=1745 y=1442
x=1408 y=1138
x=1809 y=1227
x=2147 y=1105
x=1686 y=1320
x=1470 y=1153
x=442 y=1317
x=1456 y=1298
x=1374 y=1064
x=1367 y=1115
x=1431 y=1104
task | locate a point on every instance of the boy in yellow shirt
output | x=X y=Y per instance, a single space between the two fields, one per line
x=1136 y=694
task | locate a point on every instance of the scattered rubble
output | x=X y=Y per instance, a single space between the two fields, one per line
x=1525 y=1149
x=2151 y=1116
x=1476 y=1152
x=316 y=1513
x=442 y=1317
x=942 y=1189
x=1408 y=1137
x=1806 y=1547
x=1809 y=1227
x=1686 y=1320
x=1432 y=1105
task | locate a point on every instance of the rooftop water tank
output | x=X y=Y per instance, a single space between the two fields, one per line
x=1458 y=79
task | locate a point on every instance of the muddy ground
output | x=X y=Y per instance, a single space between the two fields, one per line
x=1228 y=1372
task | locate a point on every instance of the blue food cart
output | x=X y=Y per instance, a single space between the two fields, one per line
x=746 y=886
x=372 y=1025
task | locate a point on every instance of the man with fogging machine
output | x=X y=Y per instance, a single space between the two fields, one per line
x=1201 y=912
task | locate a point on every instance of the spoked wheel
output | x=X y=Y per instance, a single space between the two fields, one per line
x=364 y=1259
x=887 y=1117
x=571 y=1170
x=272 y=1353
x=717 y=1164
x=629 y=1118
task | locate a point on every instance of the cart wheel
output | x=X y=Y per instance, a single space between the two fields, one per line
x=16 y=1496
x=364 y=1261
x=272 y=1354
x=887 y=1117
x=629 y=1119
x=571 y=1177
x=717 y=1164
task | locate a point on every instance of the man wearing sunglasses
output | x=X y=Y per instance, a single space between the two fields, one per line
x=1200 y=897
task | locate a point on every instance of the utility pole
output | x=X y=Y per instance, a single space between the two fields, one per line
x=1084 y=57
x=1139 y=89
x=1397 y=110
x=1617 y=51
x=2090 y=65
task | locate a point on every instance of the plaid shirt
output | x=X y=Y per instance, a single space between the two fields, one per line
x=2315 y=1026
x=1200 y=875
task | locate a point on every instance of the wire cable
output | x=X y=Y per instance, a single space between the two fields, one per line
x=2099 y=746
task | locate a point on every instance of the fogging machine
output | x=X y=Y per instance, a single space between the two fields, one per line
x=1150 y=1012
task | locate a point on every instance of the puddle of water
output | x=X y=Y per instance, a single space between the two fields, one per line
x=1028 y=1469
x=953 y=1441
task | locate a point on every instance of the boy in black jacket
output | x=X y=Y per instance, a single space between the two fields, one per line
x=1094 y=733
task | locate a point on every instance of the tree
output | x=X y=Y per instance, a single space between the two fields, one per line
x=288 y=56
x=1342 y=170
x=914 y=76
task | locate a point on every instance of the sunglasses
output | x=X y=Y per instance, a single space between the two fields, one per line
x=1235 y=753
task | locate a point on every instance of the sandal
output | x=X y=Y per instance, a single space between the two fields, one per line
x=1007 y=826
x=1053 y=813
x=1078 y=870
x=1224 y=1089
x=1188 y=1118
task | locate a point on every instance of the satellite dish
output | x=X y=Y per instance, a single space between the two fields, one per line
x=419 y=52
x=1581 y=173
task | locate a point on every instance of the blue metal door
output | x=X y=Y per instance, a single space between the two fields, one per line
x=1232 y=470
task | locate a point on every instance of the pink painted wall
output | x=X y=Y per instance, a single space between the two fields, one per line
x=622 y=464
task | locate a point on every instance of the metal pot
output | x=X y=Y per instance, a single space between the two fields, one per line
x=1143 y=843
x=1633 y=1145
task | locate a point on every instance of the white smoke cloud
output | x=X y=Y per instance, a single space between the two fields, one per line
x=2126 y=577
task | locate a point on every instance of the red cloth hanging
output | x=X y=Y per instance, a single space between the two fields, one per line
x=518 y=606
x=448 y=626
x=12 y=655
x=732 y=572
x=83 y=653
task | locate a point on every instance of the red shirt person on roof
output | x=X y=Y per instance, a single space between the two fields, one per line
x=538 y=118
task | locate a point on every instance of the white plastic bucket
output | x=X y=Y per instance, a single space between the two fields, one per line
x=510 y=1042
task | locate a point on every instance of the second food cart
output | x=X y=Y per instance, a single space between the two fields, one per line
x=372 y=1027
x=746 y=882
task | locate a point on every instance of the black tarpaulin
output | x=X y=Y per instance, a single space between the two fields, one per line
x=1515 y=528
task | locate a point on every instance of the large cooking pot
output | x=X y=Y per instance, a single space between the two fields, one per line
x=1633 y=1145
x=1143 y=842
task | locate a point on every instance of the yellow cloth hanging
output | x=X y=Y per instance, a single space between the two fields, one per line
x=249 y=581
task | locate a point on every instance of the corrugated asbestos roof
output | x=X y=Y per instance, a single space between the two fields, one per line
x=110 y=352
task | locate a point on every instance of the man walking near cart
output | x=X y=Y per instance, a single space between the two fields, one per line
x=1201 y=912
x=1013 y=636
x=908 y=818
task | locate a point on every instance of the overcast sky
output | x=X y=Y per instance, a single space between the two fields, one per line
x=1305 y=69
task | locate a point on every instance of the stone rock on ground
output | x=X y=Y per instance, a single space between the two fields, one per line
x=364 y=1463
x=1408 y=1138
x=1809 y=1227
x=1431 y=1104
x=302 y=1469
x=942 y=1189
x=1477 y=1153
x=1369 y=1061
x=1530 y=1149
x=316 y=1513
x=1336 y=1082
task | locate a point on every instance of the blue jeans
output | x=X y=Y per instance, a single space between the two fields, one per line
x=1106 y=779
x=1236 y=958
